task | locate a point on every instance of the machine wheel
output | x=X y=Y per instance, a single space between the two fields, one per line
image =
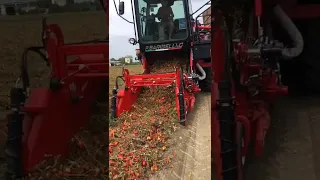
x=13 y=151
x=114 y=104
x=205 y=85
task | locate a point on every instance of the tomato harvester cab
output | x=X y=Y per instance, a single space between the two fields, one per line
x=188 y=44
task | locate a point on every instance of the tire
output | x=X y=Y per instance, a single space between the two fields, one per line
x=205 y=85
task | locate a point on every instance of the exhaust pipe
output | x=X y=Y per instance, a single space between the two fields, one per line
x=204 y=75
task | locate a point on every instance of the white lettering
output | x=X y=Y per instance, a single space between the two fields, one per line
x=164 y=46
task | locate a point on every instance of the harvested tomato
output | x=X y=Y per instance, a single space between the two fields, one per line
x=144 y=163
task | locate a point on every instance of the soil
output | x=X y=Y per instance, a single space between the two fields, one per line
x=293 y=145
x=193 y=145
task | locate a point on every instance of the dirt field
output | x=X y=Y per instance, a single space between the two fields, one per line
x=19 y=32
x=115 y=71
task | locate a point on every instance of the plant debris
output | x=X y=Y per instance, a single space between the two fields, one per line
x=139 y=145
x=138 y=140
x=88 y=159
x=165 y=66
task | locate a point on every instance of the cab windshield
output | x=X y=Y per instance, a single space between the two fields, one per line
x=161 y=20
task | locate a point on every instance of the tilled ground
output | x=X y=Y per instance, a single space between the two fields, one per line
x=293 y=144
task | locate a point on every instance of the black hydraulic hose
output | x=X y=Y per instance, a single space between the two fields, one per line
x=117 y=78
x=43 y=32
x=24 y=64
x=40 y=50
x=114 y=103
x=114 y=98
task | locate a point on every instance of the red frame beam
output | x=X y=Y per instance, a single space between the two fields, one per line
x=296 y=11
x=88 y=72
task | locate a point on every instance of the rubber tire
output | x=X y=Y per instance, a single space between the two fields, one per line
x=205 y=85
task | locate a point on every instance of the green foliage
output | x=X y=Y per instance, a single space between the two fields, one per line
x=122 y=60
x=136 y=63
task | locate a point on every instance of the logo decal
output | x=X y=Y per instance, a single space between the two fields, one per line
x=163 y=47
